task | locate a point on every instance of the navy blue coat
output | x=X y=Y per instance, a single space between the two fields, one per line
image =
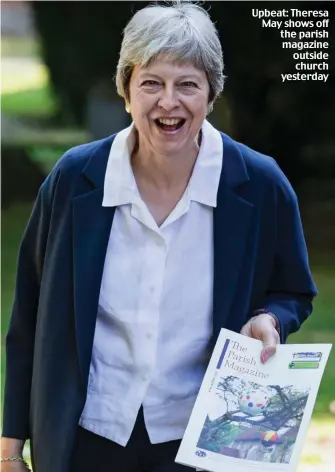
x=260 y=260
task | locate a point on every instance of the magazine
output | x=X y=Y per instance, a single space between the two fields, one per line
x=249 y=415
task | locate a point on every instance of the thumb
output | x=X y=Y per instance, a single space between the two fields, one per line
x=269 y=339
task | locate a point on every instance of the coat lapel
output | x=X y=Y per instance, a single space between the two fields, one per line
x=232 y=223
x=91 y=229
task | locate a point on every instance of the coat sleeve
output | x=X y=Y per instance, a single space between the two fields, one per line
x=21 y=332
x=291 y=288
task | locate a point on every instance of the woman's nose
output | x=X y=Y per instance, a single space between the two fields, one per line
x=168 y=100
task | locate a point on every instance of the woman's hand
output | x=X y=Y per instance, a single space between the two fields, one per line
x=12 y=447
x=12 y=466
x=263 y=327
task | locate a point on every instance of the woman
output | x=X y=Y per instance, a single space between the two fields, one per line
x=140 y=248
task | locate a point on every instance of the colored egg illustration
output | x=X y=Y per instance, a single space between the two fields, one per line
x=253 y=402
x=269 y=438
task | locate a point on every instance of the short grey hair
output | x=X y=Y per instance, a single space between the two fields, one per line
x=181 y=30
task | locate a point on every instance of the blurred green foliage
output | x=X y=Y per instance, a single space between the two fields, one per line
x=12 y=46
x=35 y=102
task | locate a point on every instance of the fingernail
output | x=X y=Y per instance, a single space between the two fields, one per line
x=265 y=356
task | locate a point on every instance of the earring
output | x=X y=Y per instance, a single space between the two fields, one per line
x=127 y=108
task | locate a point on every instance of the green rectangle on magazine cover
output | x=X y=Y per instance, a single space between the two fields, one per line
x=303 y=365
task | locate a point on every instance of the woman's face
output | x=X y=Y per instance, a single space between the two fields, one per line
x=166 y=90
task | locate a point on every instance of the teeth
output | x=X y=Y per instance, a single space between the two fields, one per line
x=166 y=121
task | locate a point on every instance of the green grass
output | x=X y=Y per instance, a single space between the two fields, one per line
x=34 y=102
x=25 y=86
x=20 y=47
x=320 y=328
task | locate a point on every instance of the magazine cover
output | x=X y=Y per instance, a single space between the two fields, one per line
x=250 y=414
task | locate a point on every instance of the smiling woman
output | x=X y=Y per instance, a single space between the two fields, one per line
x=140 y=248
x=168 y=112
x=182 y=33
x=170 y=82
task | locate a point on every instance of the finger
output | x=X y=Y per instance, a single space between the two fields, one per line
x=246 y=330
x=267 y=352
x=270 y=340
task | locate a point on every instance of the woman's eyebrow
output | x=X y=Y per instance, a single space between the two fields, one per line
x=143 y=75
x=189 y=77
x=181 y=77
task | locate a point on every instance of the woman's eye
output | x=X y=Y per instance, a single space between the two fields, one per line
x=150 y=83
x=189 y=84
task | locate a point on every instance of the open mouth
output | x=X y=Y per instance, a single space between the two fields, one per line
x=172 y=124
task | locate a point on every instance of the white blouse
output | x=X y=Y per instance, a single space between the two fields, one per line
x=154 y=320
